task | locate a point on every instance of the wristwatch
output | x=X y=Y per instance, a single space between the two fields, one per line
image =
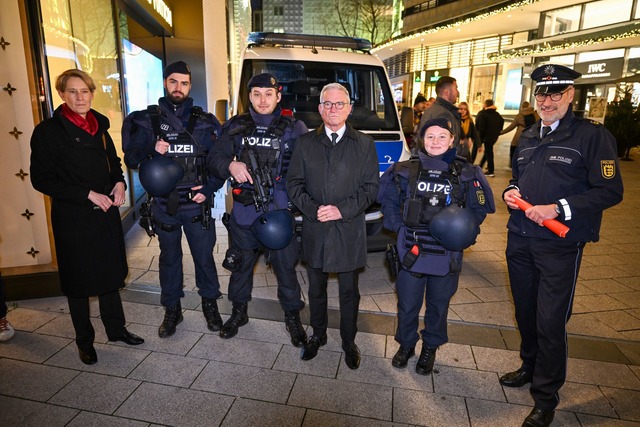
x=558 y=211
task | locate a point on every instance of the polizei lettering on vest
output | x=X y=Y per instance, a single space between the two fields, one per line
x=256 y=141
x=176 y=149
x=434 y=187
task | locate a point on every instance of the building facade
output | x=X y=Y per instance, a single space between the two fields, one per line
x=490 y=47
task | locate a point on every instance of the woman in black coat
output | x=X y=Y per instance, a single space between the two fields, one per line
x=74 y=161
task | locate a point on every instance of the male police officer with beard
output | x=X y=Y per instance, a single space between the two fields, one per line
x=435 y=202
x=254 y=151
x=179 y=130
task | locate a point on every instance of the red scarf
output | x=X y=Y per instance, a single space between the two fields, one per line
x=90 y=124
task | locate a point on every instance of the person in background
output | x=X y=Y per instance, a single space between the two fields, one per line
x=270 y=136
x=332 y=179
x=74 y=161
x=431 y=257
x=489 y=124
x=469 y=137
x=567 y=169
x=419 y=105
x=178 y=130
x=443 y=107
x=6 y=330
x=526 y=117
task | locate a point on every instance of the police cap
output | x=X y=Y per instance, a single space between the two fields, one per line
x=438 y=121
x=552 y=78
x=176 y=67
x=263 y=80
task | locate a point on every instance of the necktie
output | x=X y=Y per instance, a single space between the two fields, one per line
x=545 y=130
x=334 y=138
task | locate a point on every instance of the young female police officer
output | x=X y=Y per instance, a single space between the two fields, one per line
x=435 y=202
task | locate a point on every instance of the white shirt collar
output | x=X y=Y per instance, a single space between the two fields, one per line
x=340 y=132
x=553 y=126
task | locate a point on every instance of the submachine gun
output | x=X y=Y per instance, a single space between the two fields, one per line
x=203 y=179
x=262 y=180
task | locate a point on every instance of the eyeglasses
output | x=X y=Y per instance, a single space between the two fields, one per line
x=540 y=97
x=339 y=105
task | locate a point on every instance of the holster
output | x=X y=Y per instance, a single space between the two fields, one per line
x=393 y=261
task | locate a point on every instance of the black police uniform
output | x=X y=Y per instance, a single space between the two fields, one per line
x=412 y=193
x=272 y=138
x=575 y=166
x=191 y=134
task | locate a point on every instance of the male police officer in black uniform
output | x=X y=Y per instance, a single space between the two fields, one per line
x=254 y=151
x=435 y=202
x=567 y=168
x=177 y=129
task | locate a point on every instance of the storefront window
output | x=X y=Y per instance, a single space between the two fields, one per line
x=605 y=12
x=561 y=21
x=81 y=34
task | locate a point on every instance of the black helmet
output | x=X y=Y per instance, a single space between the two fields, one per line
x=159 y=175
x=455 y=228
x=274 y=229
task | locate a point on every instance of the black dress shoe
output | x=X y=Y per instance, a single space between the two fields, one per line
x=351 y=354
x=538 y=418
x=517 y=378
x=88 y=355
x=402 y=356
x=128 y=338
x=426 y=361
x=310 y=349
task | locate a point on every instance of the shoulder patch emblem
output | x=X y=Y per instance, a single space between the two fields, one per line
x=608 y=168
x=480 y=196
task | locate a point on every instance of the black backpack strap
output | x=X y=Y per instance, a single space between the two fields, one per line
x=414 y=172
x=459 y=188
x=196 y=113
x=154 y=116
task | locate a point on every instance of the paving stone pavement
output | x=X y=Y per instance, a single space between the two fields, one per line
x=195 y=378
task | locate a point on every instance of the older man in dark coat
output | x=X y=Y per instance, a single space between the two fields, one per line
x=333 y=177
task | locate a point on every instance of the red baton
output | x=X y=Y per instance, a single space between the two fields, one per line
x=552 y=224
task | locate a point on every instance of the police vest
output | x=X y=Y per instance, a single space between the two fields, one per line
x=269 y=149
x=428 y=192
x=271 y=143
x=186 y=151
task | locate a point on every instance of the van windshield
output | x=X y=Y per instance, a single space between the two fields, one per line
x=302 y=81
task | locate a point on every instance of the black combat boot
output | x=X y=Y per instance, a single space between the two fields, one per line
x=426 y=360
x=295 y=328
x=211 y=314
x=239 y=317
x=172 y=317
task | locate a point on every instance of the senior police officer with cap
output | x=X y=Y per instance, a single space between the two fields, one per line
x=567 y=168
x=178 y=130
x=254 y=152
x=435 y=202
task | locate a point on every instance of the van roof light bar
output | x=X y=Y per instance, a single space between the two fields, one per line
x=310 y=40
